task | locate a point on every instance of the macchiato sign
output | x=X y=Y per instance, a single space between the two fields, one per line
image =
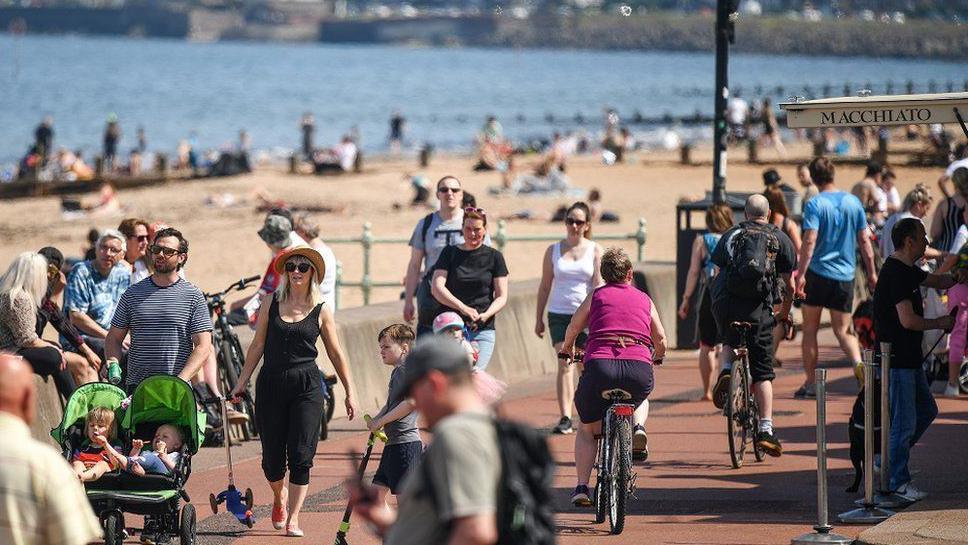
x=880 y=110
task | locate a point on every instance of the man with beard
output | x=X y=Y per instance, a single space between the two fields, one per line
x=171 y=330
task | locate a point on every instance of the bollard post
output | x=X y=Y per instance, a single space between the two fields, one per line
x=752 y=151
x=869 y=512
x=685 y=152
x=640 y=237
x=821 y=533
x=885 y=496
x=501 y=237
x=367 y=242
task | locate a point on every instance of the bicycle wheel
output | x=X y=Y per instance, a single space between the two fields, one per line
x=248 y=402
x=736 y=413
x=621 y=455
x=758 y=452
x=232 y=378
x=601 y=488
x=324 y=422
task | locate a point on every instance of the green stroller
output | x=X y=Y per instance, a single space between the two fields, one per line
x=158 y=400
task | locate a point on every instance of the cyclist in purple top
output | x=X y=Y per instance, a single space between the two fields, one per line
x=625 y=339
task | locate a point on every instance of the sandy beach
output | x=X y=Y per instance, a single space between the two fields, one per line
x=225 y=246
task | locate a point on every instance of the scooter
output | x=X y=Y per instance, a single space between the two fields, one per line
x=238 y=505
x=344 y=526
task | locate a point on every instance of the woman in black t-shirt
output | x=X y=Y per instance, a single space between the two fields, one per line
x=472 y=280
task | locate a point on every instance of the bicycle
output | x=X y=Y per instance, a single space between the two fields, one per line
x=741 y=410
x=229 y=354
x=614 y=479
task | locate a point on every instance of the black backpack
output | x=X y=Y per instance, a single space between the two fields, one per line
x=525 y=513
x=751 y=272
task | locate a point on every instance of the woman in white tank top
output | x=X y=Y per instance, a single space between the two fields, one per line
x=570 y=271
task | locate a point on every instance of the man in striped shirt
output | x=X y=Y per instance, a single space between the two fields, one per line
x=167 y=317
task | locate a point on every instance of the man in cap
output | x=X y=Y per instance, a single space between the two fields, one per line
x=454 y=498
x=278 y=234
x=41 y=500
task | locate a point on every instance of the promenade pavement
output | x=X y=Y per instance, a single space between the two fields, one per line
x=687 y=493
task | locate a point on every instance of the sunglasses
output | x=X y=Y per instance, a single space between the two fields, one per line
x=576 y=223
x=472 y=209
x=302 y=267
x=110 y=250
x=163 y=250
x=446 y=189
x=140 y=238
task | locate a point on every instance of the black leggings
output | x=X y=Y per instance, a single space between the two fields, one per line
x=289 y=410
x=46 y=362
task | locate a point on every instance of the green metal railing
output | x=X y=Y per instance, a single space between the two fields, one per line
x=501 y=238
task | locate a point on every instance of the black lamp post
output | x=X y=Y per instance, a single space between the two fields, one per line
x=726 y=14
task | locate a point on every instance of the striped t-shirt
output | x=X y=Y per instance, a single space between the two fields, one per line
x=161 y=322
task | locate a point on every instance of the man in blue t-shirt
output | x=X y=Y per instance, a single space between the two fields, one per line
x=834 y=226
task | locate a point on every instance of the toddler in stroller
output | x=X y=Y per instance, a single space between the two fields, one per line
x=162 y=460
x=92 y=459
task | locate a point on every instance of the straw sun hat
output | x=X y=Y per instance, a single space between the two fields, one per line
x=305 y=251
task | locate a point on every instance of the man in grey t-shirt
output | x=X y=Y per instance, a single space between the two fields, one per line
x=430 y=236
x=459 y=502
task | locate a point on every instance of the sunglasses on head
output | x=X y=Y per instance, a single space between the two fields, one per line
x=472 y=209
x=576 y=223
x=167 y=252
x=302 y=267
x=446 y=189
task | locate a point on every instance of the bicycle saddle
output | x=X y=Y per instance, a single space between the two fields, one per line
x=616 y=394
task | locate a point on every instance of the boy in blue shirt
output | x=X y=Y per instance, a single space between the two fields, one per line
x=834 y=226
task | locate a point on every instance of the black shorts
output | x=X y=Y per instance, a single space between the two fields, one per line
x=635 y=377
x=395 y=462
x=558 y=324
x=706 y=322
x=759 y=343
x=830 y=294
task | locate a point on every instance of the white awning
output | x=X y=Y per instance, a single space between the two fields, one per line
x=863 y=111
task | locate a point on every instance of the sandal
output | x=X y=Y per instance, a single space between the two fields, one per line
x=278 y=517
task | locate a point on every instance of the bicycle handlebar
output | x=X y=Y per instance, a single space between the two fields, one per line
x=234 y=286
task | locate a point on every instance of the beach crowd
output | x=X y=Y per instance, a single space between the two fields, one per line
x=129 y=305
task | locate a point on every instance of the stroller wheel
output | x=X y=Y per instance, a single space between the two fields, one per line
x=113 y=528
x=248 y=499
x=186 y=529
x=213 y=502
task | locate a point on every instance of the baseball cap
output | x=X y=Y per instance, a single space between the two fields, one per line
x=771 y=176
x=446 y=320
x=434 y=354
x=275 y=231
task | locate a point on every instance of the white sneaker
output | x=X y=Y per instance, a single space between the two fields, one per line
x=952 y=390
x=910 y=493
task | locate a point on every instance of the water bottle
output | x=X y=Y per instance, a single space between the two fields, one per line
x=114 y=371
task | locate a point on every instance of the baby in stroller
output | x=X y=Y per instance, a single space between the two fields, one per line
x=92 y=461
x=162 y=460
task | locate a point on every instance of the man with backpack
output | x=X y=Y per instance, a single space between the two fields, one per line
x=481 y=480
x=431 y=235
x=754 y=257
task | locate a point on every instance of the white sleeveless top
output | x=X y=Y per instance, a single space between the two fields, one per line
x=572 y=282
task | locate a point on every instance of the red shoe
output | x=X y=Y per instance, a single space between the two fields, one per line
x=278 y=517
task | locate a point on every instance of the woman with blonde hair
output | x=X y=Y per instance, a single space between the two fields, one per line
x=289 y=395
x=719 y=218
x=22 y=290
